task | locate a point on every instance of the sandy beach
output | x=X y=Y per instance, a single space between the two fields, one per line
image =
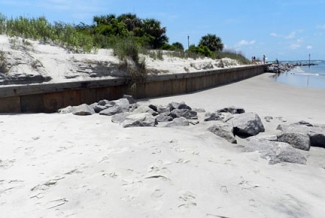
x=62 y=165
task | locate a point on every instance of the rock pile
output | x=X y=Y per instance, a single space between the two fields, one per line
x=228 y=123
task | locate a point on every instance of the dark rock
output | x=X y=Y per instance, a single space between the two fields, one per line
x=181 y=121
x=213 y=116
x=186 y=113
x=305 y=123
x=275 y=152
x=247 y=124
x=139 y=120
x=296 y=140
x=232 y=110
x=224 y=131
x=164 y=117
x=268 y=118
x=153 y=107
x=176 y=105
x=82 y=110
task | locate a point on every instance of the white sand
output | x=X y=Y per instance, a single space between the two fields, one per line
x=55 y=165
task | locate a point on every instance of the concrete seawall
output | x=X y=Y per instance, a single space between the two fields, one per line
x=49 y=98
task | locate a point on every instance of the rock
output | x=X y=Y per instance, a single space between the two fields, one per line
x=181 y=121
x=186 y=113
x=315 y=133
x=296 y=140
x=65 y=110
x=164 y=117
x=162 y=109
x=194 y=122
x=82 y=110
x=153 y=107
x=144 y=109
x=176 y=105
x=136 y=120
x=247 y=124
x=224 y=131
x=268 y=118
x=275 y=152
x=213 y=116
x=119 y=118
x=232 y=110
x=123 y=103
x=130 y=99
x=102 y=105
x=112 y=110
x=305 y=123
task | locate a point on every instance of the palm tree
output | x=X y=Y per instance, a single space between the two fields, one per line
x=155 y=33
x=212 y=42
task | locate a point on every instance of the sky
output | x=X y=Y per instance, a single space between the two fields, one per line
x=279 y=29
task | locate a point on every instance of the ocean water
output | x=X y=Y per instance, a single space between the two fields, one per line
x=305 y=76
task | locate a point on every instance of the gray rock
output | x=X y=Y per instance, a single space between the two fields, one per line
x=305 y=123
x=247 y=124
x=181 y=121
x=296 y=140
x=137 y=120
x=224 y=131
x=119 y=118
x=199 y=110
x=130 y=99
x=65 y=110
x=213 y=116
x=164 y=117
x=144 y=109
x=112 y=110
x=162 y=109
x=315 y=133
x=82 y=110
x=275 y=152
x=123 y=103
x=232 y=110
x=186 y=113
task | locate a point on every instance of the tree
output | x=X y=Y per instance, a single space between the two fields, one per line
x=212 y=42
x=155 y=33
x=178 y=46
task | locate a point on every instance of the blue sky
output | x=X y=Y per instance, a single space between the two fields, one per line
x=283 y=29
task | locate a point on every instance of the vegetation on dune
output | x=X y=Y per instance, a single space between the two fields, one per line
x=127 y=34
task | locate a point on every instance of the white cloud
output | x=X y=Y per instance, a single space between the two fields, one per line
x=294 y=46
x=309 y=47
x=274 y=35
x=245 y=42
x=292 y=35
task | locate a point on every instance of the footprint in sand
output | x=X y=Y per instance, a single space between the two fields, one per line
x=187 y=200
x=157 y=193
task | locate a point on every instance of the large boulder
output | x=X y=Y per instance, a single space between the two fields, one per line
x=102 y=105
x=82 y=110
x=116 y=109
x=247 y=124
x=315 y=133
x=143 y=119
x=224 y=131
x=119 y=118
x=176 y=105
x=296 y=140
x=275 y=152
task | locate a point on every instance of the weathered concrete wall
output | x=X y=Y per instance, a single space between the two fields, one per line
x=50 y=97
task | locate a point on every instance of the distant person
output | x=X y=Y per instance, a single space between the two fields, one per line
x=276 y=61
x=254 y=59
x=264 y=58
